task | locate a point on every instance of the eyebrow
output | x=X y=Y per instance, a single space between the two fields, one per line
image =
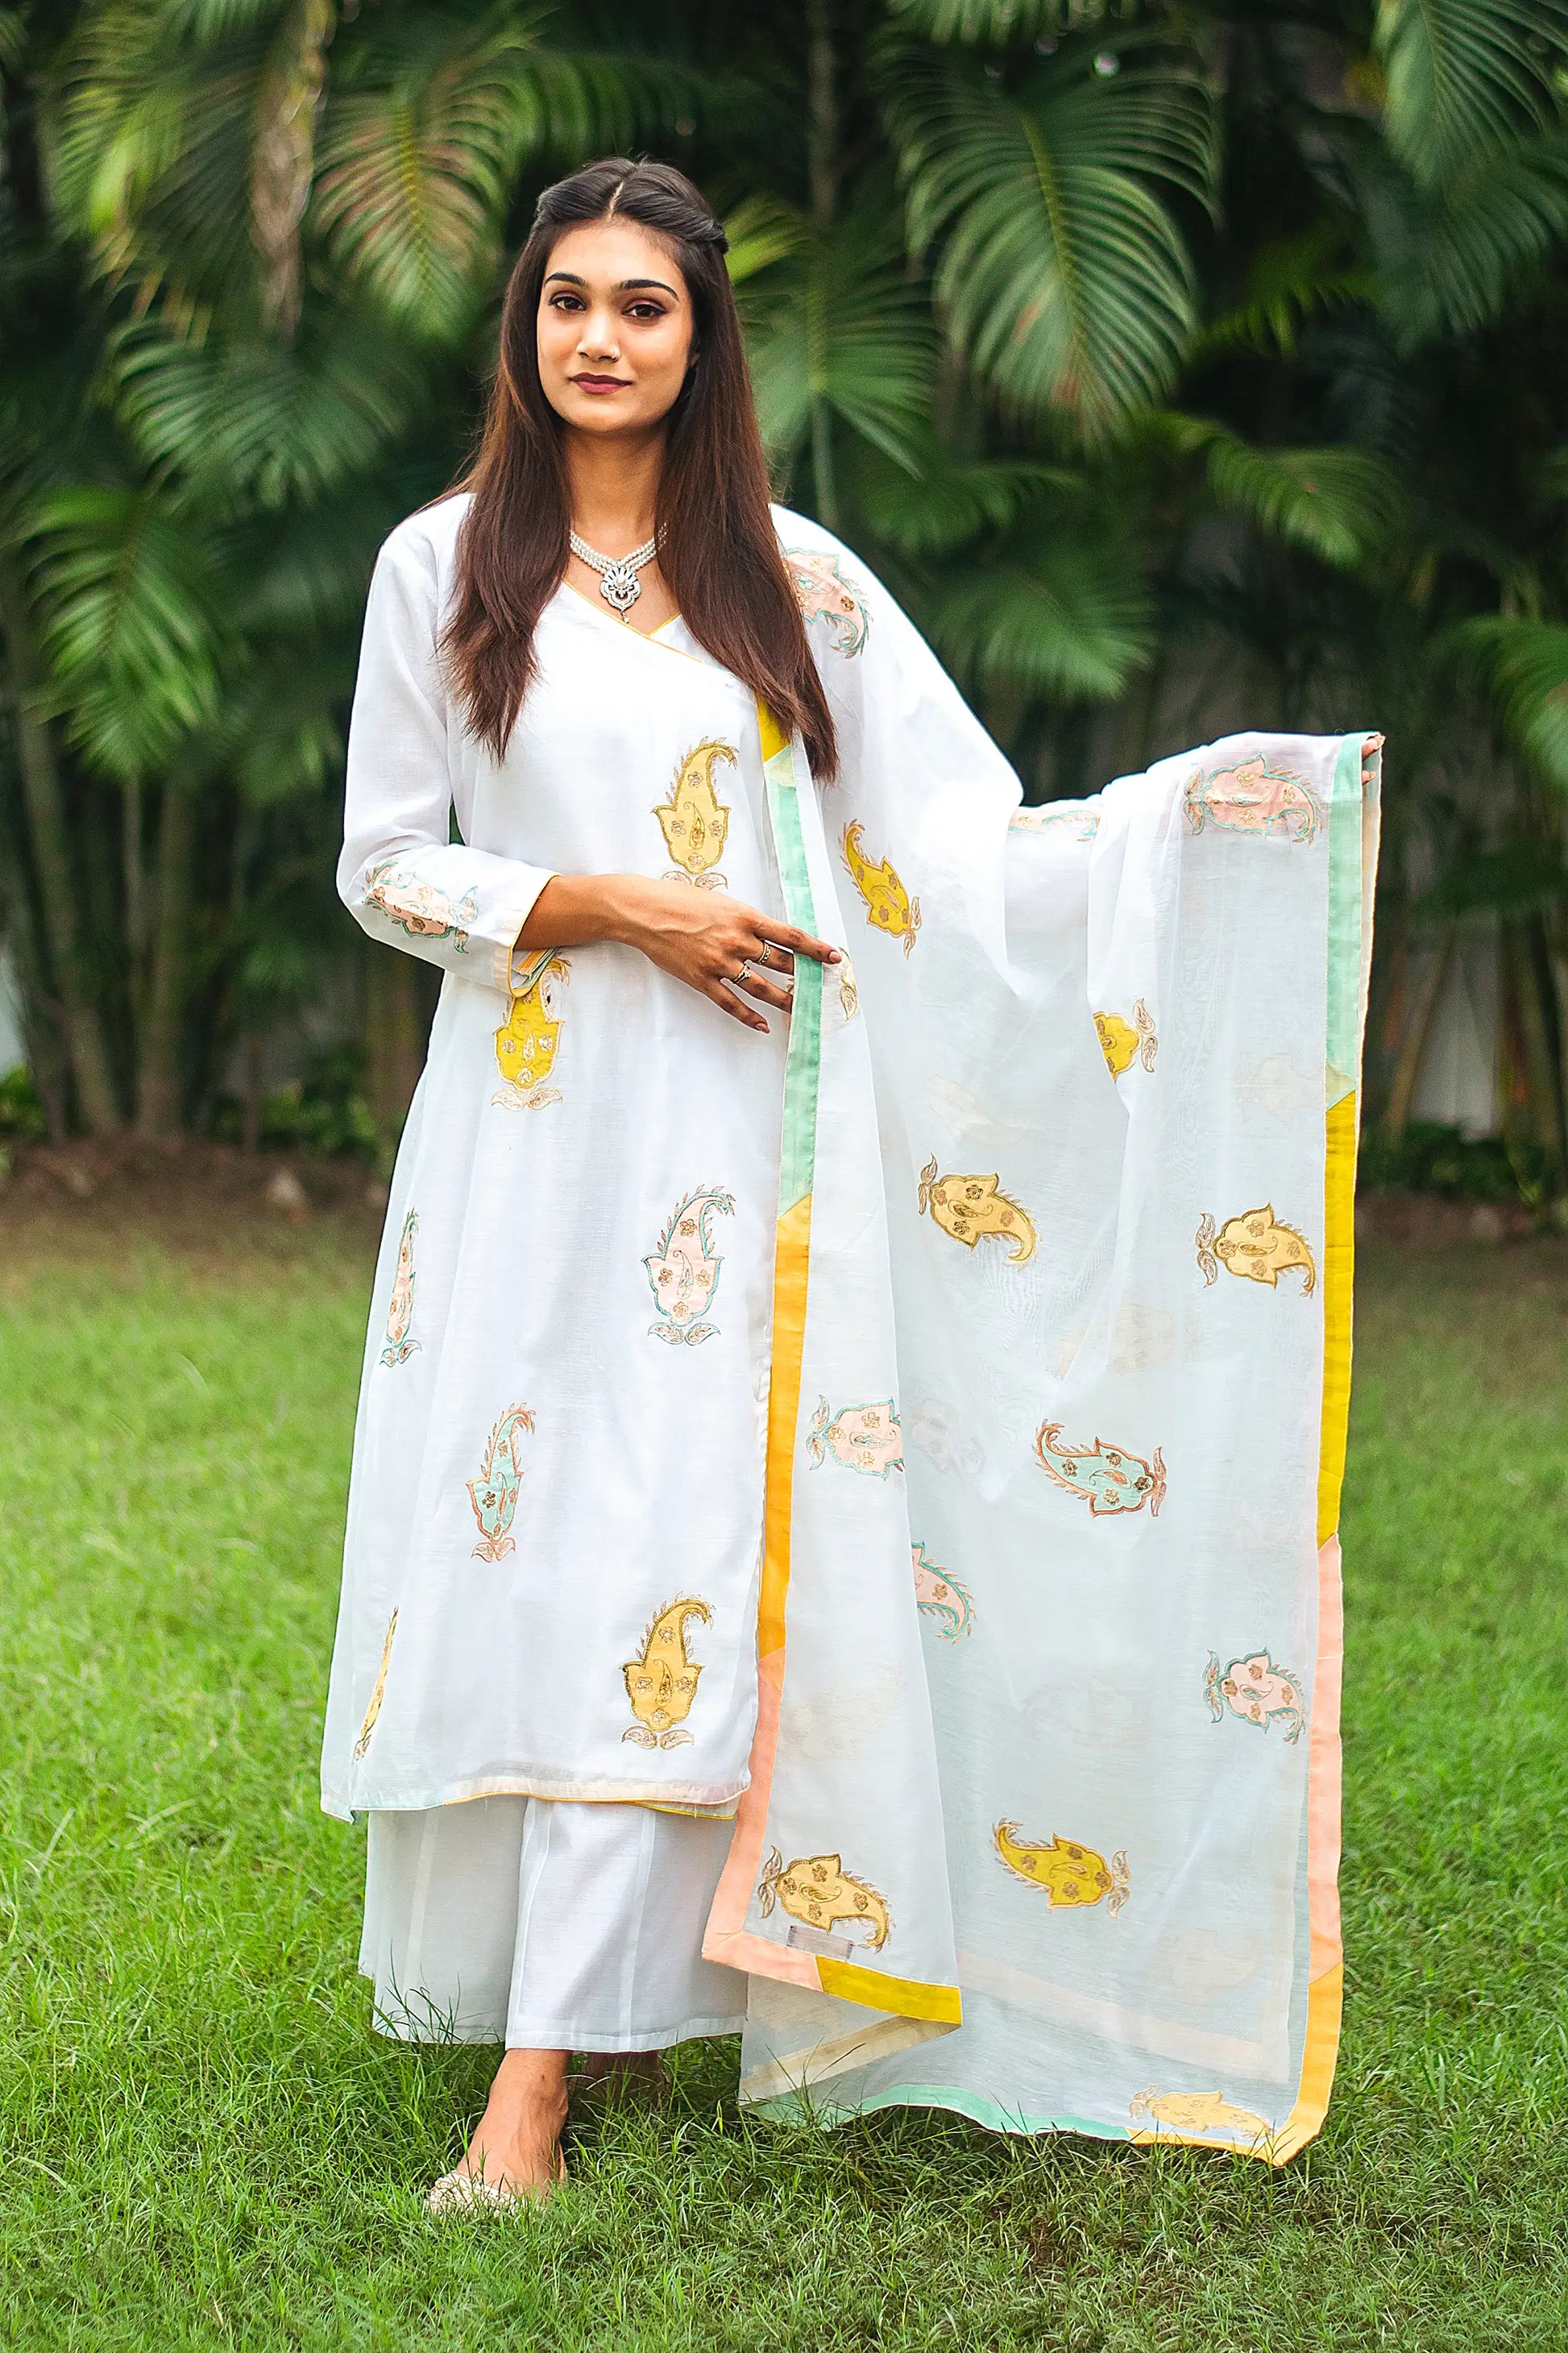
x=624 y=286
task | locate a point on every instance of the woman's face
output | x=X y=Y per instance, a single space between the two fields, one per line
x=614 y=328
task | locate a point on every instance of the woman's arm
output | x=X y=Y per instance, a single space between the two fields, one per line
x=702 y=937
x=401 y=876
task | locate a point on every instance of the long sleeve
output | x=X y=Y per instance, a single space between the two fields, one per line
x=401 y=877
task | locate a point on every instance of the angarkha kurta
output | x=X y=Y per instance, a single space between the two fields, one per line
x=916 y=1432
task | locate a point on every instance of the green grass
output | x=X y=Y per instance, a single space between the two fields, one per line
x=205 y=2146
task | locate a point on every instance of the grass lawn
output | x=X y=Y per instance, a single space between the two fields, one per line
x=206 y=2145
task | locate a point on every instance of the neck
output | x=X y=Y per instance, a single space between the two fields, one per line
x=613 y=485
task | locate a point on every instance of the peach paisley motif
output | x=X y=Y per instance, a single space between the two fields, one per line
x=822 y=594
x=1253 y=797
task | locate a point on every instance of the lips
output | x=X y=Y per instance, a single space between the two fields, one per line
x=601 y=383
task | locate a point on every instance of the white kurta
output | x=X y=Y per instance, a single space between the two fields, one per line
x=623 y=1437
x=919 y=1434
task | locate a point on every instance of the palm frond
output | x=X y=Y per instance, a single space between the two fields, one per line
x=995 y=24
x=1523 y=665
x=1069 y=621
x=1504 y=212
x=415 y=167
x=1061 y=273
x=1288 y=281
x=126 y=600
x=761 y=229
x=950 y=502
x=1464 y=75
x=260 y=421
x=1339 y=504
x=842 y=325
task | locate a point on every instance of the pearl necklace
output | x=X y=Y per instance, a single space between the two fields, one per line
x=618 y=583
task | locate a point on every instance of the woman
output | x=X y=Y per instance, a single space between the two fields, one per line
x=692 y=1221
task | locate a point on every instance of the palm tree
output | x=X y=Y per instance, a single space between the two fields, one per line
x=1137 y=343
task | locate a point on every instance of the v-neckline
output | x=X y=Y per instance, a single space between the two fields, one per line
x=625 y=628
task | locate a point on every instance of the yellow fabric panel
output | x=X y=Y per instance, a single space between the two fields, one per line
x=791 y=1258
x=1325 y=2000
x=772 y=734
x=906 y=1996
x=1339 y=1268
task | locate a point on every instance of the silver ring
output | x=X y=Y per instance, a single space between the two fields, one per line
x=745 y=971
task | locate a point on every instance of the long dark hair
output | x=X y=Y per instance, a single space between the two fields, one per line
x=718 y=549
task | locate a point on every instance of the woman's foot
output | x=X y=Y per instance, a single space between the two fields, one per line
x=516 y=2146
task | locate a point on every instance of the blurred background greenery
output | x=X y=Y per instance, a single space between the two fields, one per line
x=1182 y=366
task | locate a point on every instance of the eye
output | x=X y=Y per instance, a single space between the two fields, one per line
x=645 y=312
x=564 y=301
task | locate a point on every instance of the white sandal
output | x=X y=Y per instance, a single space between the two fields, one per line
x=469 y=2193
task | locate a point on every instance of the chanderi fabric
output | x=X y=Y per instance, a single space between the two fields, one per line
x=918 y=1434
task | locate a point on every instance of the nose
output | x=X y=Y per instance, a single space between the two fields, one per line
x=598 y=339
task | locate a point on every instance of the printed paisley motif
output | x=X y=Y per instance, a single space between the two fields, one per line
x=661 y=1684
x=1122 y=1043
x=526 y=1040
x=1069 y=1874
x=1108 y=1477
x=684 y=1270
x=1257 y=1691
x=939 y=1595
x=1040 y=820
x=379 y=1692
x=889 y=906
x=694 y=820
x=862 y=1436
x=822 y=594
x=969 y=1207
x=493 y=1493
x=1253 y=797
x=816 y=1890
x=417 y=907
x=1257 y=1245
x=1194 y=2111
x=400 y=1343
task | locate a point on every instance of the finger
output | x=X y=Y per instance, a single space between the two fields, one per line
x=767 y=990
x=777 y=962
x=786 y=935
x=718 y=994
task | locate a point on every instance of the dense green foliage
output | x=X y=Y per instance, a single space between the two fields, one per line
x=205 y=2146
x=1184 y=363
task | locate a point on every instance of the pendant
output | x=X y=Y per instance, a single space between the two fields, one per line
x=619 y=587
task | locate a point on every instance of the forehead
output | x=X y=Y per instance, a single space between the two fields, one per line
x=606 y=253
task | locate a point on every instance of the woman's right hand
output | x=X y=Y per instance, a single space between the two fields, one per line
x=702 y=937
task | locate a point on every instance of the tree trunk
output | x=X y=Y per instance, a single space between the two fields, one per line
x=1421 y=1005
x=396 y=1027
x=43 y=799
x=40 y=1014
x=158 y=1104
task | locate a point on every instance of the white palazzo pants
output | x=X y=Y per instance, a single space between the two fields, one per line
x=546 y=1925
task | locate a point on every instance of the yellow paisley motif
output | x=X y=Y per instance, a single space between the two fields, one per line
x=662 y=1683
x=817 y=1890
x=968 y=1207
x=1069 y=1874
x=694 y=820
x=526 y=1040
x=1122 y=1043
x=379 y=1692
x=1257 y=1246
x=889 y=906
x=1194 y=2111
